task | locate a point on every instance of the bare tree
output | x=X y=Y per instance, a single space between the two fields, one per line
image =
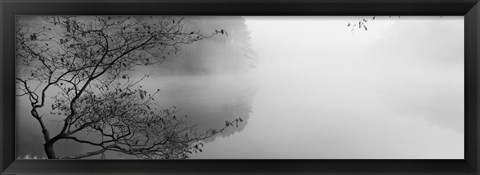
x=87 y=59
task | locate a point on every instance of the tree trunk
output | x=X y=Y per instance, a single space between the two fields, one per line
x=49 y=150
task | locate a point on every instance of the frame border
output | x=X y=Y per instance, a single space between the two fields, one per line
x=470 y=9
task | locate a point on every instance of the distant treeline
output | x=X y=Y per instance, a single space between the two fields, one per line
x=227 y=53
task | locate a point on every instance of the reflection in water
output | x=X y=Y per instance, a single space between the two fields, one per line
x=327 y=93
x=208 y=100
x=209 y=81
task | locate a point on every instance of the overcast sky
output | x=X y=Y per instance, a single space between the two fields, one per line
x=326 y=92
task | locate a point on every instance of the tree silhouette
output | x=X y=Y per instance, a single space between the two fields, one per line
x=86 y=61
x=361 y=24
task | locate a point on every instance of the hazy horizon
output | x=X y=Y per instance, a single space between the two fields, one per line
x=312 y=88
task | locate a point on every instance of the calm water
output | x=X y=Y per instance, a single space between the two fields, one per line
x=328 y=95
x=332 y=93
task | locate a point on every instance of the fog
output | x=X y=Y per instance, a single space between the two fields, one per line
x=209 y=81
x=326 y=92
x=312 y=88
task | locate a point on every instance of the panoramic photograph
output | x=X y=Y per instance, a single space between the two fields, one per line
x=239 y=87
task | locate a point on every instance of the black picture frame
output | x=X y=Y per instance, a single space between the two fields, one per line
x=470 y=9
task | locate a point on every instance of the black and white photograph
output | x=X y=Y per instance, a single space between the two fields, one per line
x=239 y=87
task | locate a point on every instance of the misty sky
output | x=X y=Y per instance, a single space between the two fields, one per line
x=324 y=91
x=318 y=90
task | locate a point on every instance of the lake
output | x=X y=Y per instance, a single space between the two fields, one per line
x=322 y=91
